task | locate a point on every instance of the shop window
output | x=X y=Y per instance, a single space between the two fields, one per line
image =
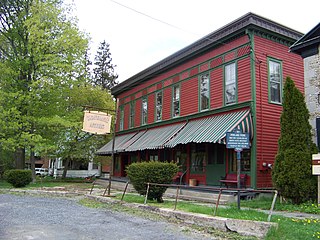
x=181 y=159
x=117 y=163
x=143 y=156
x=133 y=158
x=245 y=160
x=198 y=158
x=153 y=156
x=275 y=81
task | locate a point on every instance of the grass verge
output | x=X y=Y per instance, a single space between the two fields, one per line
x=288 y=228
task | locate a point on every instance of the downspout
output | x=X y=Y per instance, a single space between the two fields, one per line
x=253 y=160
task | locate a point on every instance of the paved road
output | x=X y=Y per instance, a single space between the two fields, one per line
x=30 y=217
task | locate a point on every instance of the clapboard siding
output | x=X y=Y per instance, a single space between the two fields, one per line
x=268 y=114
x=244 y=80
x=189 y=97
x=216 y=88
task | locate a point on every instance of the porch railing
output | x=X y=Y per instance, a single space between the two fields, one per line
x=213 y=189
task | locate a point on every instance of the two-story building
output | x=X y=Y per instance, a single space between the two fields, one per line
x=180 y=108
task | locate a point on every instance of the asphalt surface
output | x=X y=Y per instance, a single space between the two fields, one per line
x=33 y=217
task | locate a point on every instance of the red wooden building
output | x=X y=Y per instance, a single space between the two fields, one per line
x=180 y=108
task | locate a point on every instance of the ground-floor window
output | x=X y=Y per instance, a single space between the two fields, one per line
x=245 y=160
x=95 y=165
x=180 y=157
x=198 y=158
x=117 y=163
x=153 y=157
x=77 y=165
x=133 y=158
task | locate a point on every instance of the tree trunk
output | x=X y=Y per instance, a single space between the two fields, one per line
x=65 y=169
x=19 y=156
x=33 y=165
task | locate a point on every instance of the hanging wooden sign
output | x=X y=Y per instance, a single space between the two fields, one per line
x=96 y=122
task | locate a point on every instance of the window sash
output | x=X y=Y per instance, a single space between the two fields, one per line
x=204 y=92
x=230 y=83
x=144 y=116
x=121 y=118
x=131 y=120
x=176 y=101
x=158 y=106
x=275 y=81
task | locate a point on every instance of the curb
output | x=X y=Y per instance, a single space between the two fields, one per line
x=257 y=229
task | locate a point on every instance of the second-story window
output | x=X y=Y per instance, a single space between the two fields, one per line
x=131 y=117
x=176 y=101
x=159 y=106
x=230 y=83
x=204 y=92
x=144 y=107
x=275 y=80
x=121 y=118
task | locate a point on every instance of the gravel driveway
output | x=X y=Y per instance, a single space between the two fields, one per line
x=31 y=217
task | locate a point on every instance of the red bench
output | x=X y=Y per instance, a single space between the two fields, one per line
x=177 y=177
x=231 y=180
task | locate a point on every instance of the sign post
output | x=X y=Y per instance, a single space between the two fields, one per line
x=316 y=171
x=99 y=123
x=238 y=141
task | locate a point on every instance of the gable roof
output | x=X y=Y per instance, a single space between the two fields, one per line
x=308 y=44
x=213 y=39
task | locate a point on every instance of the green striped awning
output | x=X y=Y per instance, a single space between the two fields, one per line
x=122 y=142
x=212 y=129
x=156 y=138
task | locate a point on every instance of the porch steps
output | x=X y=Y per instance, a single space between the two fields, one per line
x=185 y=193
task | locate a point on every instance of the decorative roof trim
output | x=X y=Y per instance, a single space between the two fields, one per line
x=213 y=39
x=308 y=44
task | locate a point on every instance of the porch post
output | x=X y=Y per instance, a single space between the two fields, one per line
x=112 y=150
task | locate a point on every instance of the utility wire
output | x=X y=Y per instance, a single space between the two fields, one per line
x=163 y=22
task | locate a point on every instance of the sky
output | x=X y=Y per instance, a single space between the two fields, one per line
x=143 y=32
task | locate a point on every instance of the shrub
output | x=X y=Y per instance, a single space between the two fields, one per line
x=151 y=172
x=292 y=174
x=18 y=177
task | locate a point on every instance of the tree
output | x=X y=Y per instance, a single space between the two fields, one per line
x=42 y=55
x=72 y=142
x=291 y=174
x=104 y=74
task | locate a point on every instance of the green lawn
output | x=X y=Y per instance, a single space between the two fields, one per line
x=287 y=228
x=265 y=203
x=50 y=182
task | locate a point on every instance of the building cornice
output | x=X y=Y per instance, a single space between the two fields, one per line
x=221 y=36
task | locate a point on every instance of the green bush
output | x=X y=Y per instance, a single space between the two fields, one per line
x=151 y=172
x=18 y=177
x=291 y=174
